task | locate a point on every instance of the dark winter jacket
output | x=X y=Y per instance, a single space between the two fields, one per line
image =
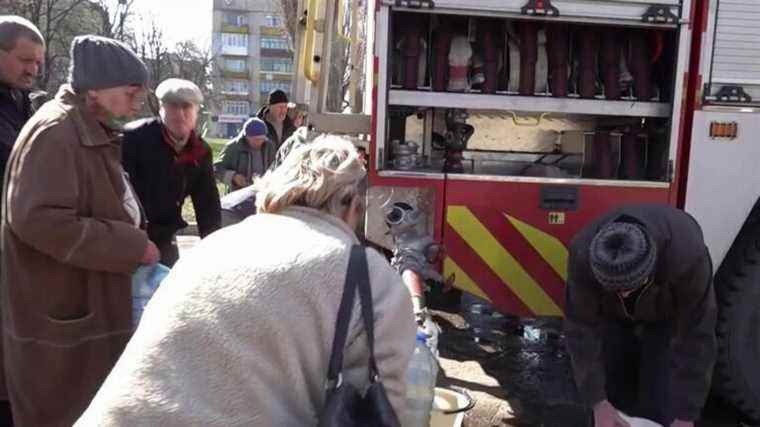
x=287 y=128
x=163 y=184
x=15 y=110
x=681 y=295
x=237 y=158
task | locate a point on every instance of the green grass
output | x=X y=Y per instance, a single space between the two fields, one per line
x=216 y=144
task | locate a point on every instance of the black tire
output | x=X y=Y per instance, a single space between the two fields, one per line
x=737 y=284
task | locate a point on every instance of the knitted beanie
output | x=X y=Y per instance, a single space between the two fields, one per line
x=255 y=127
x=102 y=63
x=277 y=96
x=622 y=256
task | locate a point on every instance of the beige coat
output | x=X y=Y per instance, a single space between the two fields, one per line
x=69 y=249
x=240 y=332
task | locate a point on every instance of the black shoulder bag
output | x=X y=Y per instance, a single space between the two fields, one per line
x=345 y=406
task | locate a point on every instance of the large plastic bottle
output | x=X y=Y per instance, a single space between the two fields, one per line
x=420 y=385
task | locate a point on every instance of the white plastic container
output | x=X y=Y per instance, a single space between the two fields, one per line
x=420 y=384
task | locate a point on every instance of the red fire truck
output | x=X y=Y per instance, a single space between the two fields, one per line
x=513 y=123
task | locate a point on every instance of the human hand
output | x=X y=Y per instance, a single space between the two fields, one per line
x=151 y=255
x=432 y=330
x=239 y=180
x=682 y=423
x=605 y=415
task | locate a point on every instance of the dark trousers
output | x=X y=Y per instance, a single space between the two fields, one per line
x=6 y=418
x=637 y=365
x=169 y=251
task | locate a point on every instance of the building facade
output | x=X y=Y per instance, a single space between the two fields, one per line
x=252 y=57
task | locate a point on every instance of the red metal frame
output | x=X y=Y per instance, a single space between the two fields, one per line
x=693 y=101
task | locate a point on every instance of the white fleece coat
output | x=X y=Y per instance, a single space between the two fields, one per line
x=240 y=332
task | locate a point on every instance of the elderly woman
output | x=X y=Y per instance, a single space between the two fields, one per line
x=240 y=332
x=72 y=238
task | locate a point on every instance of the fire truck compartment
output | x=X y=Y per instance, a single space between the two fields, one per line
x=513 y=97
x=628 y=12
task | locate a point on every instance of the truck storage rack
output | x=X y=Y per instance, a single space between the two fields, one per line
x=531 y=104
x=663 y=13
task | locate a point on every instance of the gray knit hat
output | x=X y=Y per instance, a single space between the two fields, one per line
x=179 y=91
x=102 y=63
x=622 y=256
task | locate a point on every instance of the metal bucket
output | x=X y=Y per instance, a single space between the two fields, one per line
x=449 y=407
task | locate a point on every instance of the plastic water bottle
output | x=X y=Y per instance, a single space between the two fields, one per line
x=420 y=384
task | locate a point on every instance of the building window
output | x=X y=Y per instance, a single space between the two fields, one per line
x=236 y=86
x=277 y=43
x=277 y=65
x=267 y=86
x=234 y=40
x=273 y=21
x=235 y=65
x=236 y=19
x=237 y=108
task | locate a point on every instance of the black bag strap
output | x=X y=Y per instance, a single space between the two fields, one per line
x=356 y=276
x=365 y=296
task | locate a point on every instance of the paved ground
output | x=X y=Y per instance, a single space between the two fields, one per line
x=521 y=376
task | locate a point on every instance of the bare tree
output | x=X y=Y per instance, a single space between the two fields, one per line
x=58 y=21
x=114 y=15
x=289 y=11
x=150 y=45
x=192 y=62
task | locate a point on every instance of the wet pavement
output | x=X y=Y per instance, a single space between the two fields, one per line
x=517 y=369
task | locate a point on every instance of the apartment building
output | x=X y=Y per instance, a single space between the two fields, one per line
x=253 y=57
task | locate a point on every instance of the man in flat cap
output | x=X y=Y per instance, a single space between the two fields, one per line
x=275 y=115
x=641 y=316
x=167 y=161
x=72 y=237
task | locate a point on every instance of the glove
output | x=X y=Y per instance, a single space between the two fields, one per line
x=427 y=325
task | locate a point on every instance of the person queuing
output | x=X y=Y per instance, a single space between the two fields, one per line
x=71 y=238
x=641 y=310
x=22 y=53
x=167 y=161
x=275 y=114
x=246 y=157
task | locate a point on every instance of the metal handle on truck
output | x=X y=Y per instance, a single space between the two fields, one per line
x=309 y=41
x=529 y=123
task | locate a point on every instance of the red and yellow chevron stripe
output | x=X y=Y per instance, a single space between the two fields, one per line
x=496 y=256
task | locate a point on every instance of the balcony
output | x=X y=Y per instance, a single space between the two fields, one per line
x=234 y=50
x=230 y=74
x=235 y=96
x=276 y=53
x=271 y=31
x=237 y=29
